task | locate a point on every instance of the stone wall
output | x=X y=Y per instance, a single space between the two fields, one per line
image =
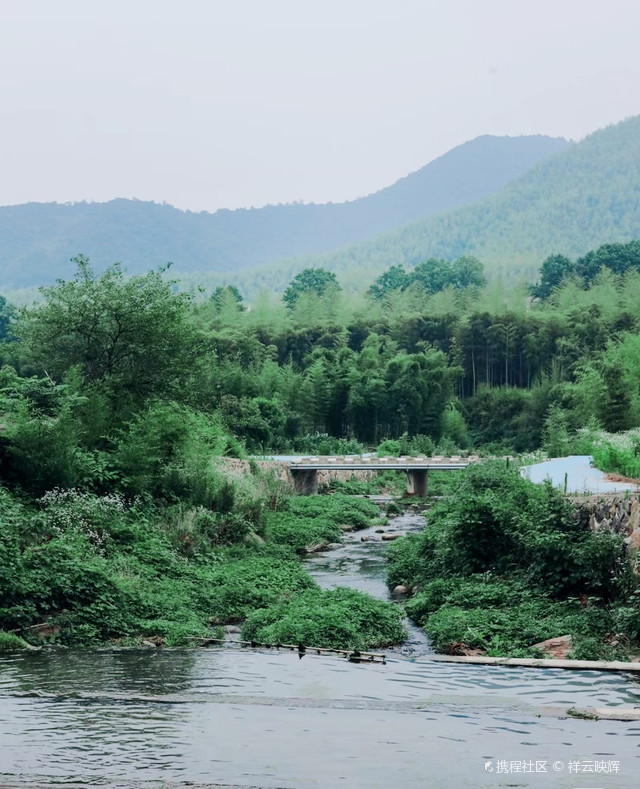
x=619 y=514
x=283 y=471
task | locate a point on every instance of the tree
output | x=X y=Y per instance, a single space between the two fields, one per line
x=314 y=281
x=226 y=297
x=553 y=270
x=419 y=386
x=133 y=336
x=7 y=312
x=618 y=257
x=394 y=278
x=433 y=275
x=467 y=272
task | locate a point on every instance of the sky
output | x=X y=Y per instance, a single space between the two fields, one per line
x=208 y=104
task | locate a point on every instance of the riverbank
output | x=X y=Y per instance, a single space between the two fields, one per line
x=505 y=566
x=81 y=569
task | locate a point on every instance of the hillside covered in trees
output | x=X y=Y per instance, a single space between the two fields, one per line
x=38 y=240
x=586 y=196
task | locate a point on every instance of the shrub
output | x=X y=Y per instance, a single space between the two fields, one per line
x=340 y=619
x=499 y=631
x=336 y=508
x=301 y=533
x=505 y=563
x=404 y=561
x=240 y=587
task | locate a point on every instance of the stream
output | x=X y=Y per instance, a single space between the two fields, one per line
x=246 y=718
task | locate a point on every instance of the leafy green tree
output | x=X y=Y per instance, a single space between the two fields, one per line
x=433 y=275
x=316 y=394
x=368 y=388
x=132 y=335
x=618 y=411
x=221 y=294
x=618 y=257
x=554 y=269
x=314 y=281
x=467 y=272
x=419 y=387
x=556 y=434
x=7 y=312
x=227 y=305
x=394 y=278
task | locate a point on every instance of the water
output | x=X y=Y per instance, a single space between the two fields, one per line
x=362 y=565
x=230 y=717
x=581 y=476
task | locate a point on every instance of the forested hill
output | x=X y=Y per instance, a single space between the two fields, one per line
x=586 y=196
x=38 y=240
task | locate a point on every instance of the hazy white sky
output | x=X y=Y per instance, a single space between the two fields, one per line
x=207 y=104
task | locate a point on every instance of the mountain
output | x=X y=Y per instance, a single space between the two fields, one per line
x=586 y=196
x=38 y=239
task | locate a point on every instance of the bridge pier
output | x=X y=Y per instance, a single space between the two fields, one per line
x=418 y=482
x=305 y=481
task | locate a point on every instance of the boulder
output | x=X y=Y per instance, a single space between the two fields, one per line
x=389 y=537
x=401 y=591
x=44 y=630
x=633 y=524
x=316 y=548
x=557 y=648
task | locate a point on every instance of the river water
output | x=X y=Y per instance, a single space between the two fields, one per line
x=233 y=717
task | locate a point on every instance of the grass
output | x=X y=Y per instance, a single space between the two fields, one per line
x=9 y=641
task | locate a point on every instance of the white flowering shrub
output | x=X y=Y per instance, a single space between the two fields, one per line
x=69 y=511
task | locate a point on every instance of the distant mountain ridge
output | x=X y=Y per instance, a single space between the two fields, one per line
x=38 y=239
x=585 y=196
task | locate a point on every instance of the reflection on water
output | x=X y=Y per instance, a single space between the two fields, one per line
x=240 y=718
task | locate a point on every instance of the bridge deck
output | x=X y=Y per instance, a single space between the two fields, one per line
x=349 y=463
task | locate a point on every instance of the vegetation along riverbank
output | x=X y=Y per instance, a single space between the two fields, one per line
x=122 y=399
x=505 y=565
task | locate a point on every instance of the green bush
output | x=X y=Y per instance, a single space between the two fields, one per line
x=302 y=534
x=418 y=444
x=337 y=508
x=9 y=641
x=503 y=564
x=404 y=561
x=340 y=619
x=242 y=586
x=391 y=482
x=95 y=568
x=324 y=444
x=310 y=521
x=167 y=451
x=500 y=631
x=622 y=460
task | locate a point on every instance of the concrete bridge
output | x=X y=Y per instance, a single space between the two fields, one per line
x=305 y=470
